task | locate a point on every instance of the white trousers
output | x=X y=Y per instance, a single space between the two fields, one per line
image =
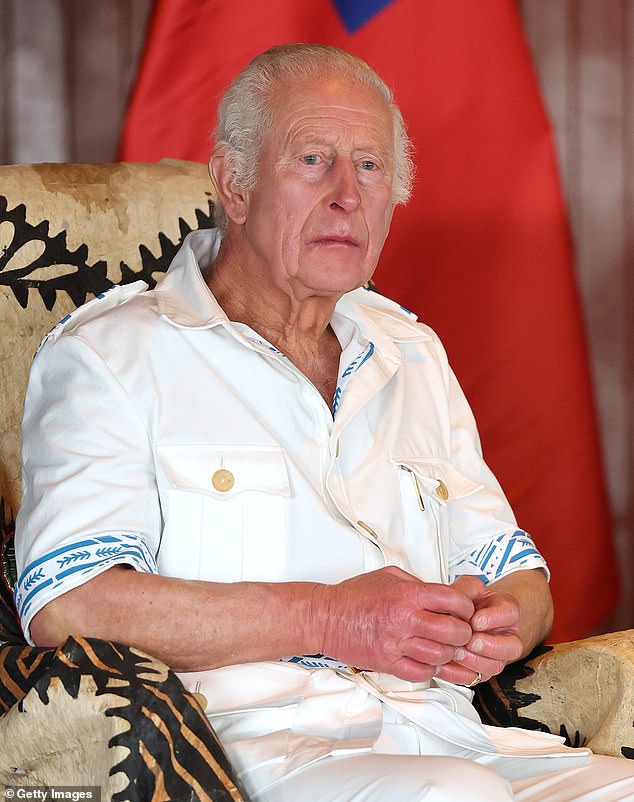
x=396 y=771
x=409 y=778
x=327 y=738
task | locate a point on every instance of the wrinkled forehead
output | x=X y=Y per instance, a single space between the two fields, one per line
x=330 y=98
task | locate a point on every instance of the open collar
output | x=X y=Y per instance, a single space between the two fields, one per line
x=183 y=296
x=184 y=299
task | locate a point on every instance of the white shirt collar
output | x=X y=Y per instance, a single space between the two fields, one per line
x=184 y=298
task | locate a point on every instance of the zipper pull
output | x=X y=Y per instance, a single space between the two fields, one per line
x=419 y=495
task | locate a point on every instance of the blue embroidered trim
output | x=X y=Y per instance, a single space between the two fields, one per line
x=266 y=345
x=58 y=327
x=353 y=367
x=315 y=661
x=87 y=557
x=515 y=550
x=345 y=376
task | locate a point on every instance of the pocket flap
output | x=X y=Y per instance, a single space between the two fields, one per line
x=224 y=471
x=439 y=477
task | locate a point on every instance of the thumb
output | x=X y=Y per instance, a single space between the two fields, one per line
x=472 y=586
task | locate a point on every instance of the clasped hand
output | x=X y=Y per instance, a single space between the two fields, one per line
x=390 y=621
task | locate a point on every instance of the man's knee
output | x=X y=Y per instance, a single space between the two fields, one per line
x=453 y=779
x=377 y=777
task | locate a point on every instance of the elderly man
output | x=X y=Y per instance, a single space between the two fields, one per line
x=288 y=464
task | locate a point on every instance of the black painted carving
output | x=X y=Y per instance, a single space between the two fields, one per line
x=499 y=701
x=83 y=278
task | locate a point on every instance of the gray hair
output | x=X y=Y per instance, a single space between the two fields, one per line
x=246 y=109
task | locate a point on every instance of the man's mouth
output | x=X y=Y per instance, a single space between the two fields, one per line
x=336 y=239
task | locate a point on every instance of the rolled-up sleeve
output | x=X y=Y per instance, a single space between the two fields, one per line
x=485 y=538
x=89 y=497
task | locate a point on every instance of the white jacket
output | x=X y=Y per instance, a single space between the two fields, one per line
x=159 y=434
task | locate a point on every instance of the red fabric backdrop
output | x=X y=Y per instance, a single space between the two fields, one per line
x=482 y=253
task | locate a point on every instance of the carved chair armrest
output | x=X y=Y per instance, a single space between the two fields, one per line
x=582 y=690
x=96 y=713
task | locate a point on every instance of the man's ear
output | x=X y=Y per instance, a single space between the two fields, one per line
x=222 y=171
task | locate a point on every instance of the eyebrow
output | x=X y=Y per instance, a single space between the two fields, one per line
x=309 y=141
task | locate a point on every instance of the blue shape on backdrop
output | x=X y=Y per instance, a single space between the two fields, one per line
x=355 y=13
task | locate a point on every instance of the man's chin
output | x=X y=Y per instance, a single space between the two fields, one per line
x=335 y=291
x=333 y=279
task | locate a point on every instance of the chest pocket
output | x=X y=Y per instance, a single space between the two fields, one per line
x=428 y=487
x=224 y=510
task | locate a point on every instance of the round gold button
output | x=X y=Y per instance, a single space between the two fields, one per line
x=222 y=480
x=441 y=491
x=201 y=699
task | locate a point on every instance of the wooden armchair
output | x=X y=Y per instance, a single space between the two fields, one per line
x=92 y=712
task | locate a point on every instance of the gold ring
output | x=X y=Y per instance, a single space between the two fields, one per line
x=476 y=681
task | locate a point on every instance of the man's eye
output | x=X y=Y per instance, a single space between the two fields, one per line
x=311 y=158
x=368 y=164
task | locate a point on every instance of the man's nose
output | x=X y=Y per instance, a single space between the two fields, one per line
x=345 y=186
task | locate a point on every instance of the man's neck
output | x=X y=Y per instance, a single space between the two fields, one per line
x=247 y=295
x=299 y=328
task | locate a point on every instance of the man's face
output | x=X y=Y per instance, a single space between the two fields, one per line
x=322 y=205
